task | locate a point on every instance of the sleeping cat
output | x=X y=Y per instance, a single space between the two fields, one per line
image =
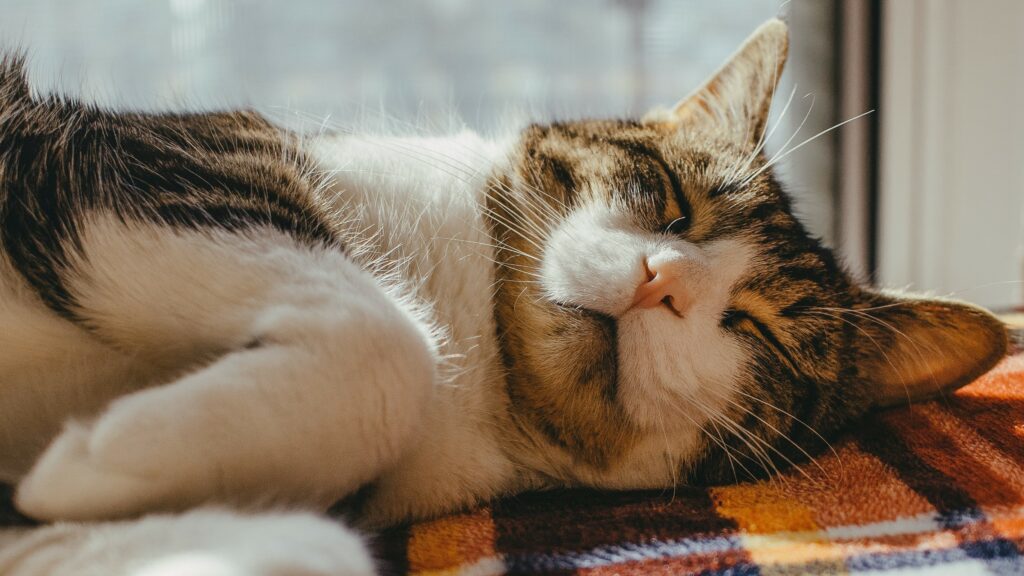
x=207 y=308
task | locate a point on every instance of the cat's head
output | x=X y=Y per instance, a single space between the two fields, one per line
x=663 y=314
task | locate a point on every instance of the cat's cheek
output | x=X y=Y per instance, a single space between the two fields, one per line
x=592 y=262
x=675 y=374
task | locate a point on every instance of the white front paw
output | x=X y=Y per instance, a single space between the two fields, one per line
x=320 y=551
x=221 y=543
x=207 y=542
x=70 y=482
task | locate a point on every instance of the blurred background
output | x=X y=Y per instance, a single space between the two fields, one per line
x=926 y=192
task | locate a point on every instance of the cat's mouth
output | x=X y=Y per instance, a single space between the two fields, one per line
x=667 y=305
x=667 y=302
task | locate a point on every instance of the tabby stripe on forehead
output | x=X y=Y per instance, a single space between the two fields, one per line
x=640 y=149
x=563 y=175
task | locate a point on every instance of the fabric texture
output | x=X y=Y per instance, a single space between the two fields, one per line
x=936 y=488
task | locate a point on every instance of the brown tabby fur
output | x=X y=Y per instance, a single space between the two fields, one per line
x=822 y=350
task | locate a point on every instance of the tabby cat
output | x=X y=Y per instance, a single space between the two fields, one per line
x=205 y=308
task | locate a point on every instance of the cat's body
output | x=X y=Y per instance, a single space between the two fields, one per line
x=394 y=222
x=228 y=312
x=459 y=456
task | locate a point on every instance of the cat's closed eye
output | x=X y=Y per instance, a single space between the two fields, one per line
x=735 y=319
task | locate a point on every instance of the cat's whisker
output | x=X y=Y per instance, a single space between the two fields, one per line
x=810 y=428
x=782 y=156
x=752 y=441
x=764 y=459
x=539 y=209
x=498 y=245
x=519 y=222
x=526 y=235
x=780 y=433
x=515 y=222
x=719 y=440
x=756 y=451
x=744 y=164
x=782 y=149
x=535 y=172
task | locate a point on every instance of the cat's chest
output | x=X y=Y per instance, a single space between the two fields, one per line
x=412 y=212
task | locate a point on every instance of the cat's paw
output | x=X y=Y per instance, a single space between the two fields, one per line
x=71 y=482
x=222 y=543
x=206 y=542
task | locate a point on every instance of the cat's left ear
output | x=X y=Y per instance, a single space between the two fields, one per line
x=738 y=96
x=909 y=348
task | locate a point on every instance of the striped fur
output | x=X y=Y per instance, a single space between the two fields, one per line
x=935 y=489
x=818 y=350
x=225 y=310
x=63 y=161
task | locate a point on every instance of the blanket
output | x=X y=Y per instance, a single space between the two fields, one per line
x=937 y=487
x=934 y=488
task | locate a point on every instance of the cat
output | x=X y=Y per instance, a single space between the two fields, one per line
x=205 y=309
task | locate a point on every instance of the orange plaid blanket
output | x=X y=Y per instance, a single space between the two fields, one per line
x=938 y=487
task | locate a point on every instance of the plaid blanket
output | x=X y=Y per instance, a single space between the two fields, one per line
x=935 y=488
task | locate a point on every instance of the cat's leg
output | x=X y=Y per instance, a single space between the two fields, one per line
x=311 y=378
x=49 y=369
x=199 y=543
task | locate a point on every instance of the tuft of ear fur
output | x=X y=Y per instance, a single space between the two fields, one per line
x=912 y=348
x=738 y=97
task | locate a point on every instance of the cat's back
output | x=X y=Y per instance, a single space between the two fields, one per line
x=81 y=184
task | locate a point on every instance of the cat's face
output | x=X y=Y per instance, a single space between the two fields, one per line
x=663 y=314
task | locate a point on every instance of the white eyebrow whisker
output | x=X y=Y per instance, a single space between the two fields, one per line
x=782 y=149
x=782 y=156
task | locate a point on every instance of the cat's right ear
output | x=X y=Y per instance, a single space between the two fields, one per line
x=737 y=98
x=911 y=348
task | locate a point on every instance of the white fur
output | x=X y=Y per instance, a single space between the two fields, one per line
x=199 y=543
x=322 y=404
x=673 y=371
x=350 y=380
x=384 y=369
x=417 y=201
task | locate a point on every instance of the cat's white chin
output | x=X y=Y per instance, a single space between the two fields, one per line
x=675 y=372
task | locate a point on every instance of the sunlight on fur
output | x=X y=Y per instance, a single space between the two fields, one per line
x=206 y=307
x=193 y=564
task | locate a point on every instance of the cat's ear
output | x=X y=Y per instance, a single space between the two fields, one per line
x=738 y=96
x=910 y=348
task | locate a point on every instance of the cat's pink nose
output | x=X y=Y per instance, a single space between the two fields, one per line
x=665 y=285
